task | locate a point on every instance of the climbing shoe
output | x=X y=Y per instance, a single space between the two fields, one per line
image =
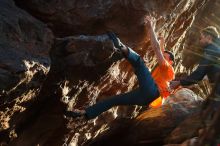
x=116 y=41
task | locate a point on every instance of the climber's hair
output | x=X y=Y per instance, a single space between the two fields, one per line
x=171 y=55
x=211 y=31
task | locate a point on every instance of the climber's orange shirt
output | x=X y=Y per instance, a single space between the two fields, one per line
x=162 y=75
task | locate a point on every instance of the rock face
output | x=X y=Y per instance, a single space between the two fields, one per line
x=182 y=96
x=187 y=129
x=25 y=43
x=94 y=50
x=192 y=50
x=83 y=69
x=208 y=16
x=153 y=125
x=96 y=17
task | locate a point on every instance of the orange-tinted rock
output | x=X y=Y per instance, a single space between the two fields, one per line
x=80 y=73
x=187 y=129
x=153 y=125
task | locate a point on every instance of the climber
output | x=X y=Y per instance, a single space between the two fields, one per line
x=151 y=86
x=209 y=64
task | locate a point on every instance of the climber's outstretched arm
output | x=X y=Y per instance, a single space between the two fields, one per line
x=154 y=42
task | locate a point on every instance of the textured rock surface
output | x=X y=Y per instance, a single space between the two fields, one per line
x=153 y=125
x=25 y=44
x=96 y=17
x=94 y=50
x=24 y=63
x=80 y=17
x=84 y=69
x=187 y=129
x=192 y=50
x=209 y=16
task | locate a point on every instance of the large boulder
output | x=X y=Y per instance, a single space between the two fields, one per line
x=24 y=48
x=153 y=125
x=25 y=43
x=96 y=17
x=186 y=130
x=94 y=50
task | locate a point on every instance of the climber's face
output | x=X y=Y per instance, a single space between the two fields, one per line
x=205 y=39
x=166 y=56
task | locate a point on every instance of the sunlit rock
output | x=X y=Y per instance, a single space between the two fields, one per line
x=25 y=43
x=85 y=70
x=153 y=125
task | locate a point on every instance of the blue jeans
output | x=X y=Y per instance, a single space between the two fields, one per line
x=142 y=96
